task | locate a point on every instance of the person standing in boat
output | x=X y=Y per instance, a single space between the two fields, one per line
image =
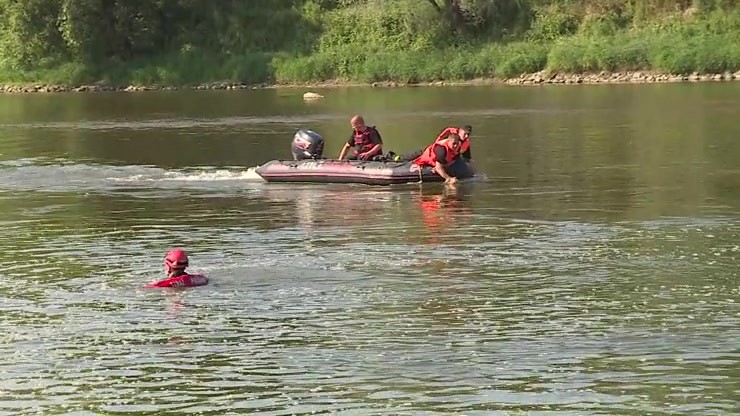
x=365 y=141
x=440 y=155
x=175 y=262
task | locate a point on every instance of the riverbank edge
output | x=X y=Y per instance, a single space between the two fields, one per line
x=537 y=78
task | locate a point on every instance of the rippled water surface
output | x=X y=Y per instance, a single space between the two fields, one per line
x=591 y=269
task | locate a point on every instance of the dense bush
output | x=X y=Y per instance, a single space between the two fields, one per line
x=290 y=41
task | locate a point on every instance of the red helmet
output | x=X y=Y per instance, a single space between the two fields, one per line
x=176 y=259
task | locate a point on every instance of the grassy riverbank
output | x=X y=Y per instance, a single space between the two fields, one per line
x=405 y=42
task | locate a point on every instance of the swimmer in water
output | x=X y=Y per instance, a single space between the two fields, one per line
x=175 y=262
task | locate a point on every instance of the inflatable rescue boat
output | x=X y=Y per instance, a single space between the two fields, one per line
x=309 y=166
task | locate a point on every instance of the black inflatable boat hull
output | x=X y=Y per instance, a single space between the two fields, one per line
x=352 y=171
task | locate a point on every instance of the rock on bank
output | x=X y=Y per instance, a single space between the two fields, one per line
x=542 y=77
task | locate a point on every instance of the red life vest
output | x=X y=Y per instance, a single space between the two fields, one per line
x=464 y=145
x=363 y=140
x=445 y=132
x=429 y=158
x=184 y=280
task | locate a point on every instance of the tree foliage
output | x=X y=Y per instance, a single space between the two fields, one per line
x=98 y=30
x=40 y=33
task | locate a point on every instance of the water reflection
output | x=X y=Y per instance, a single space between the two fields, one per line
x=438 y=207
x=595 y=273
x=317 y=206
x=443 y=211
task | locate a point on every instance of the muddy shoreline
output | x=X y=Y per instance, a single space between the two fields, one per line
x=538 y=78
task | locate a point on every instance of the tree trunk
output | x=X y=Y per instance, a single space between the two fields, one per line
x=451 y=12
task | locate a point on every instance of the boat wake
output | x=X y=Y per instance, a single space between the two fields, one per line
x=59 y=175
x=199 y=175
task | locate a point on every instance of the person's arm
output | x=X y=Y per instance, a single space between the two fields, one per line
x=377 y=149
x=440 y=154
x=344 y=151
x=444 y=134
x=347 y=145
x=440 y=169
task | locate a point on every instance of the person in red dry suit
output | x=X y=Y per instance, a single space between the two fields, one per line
x=175 y=262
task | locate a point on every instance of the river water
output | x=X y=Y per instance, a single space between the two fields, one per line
x=591 y=269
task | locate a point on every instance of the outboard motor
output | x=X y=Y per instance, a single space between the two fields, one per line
x=307 y=144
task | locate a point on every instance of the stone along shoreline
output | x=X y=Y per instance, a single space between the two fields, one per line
x=538 y=78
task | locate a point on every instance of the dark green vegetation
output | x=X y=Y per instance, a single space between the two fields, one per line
x=180 y=42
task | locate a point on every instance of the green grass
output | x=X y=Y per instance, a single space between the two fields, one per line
x=675 y=44
x=628 y=51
